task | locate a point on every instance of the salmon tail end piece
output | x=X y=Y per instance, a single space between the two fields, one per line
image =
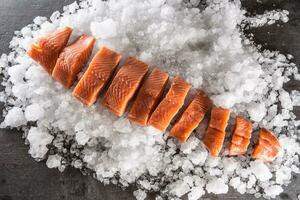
x=148 y=97
x=240 y=137
x=267 y=147
x=170 y=105
x=72 y=59
x=213 y=140
x=96 y=76
x=191 y=117
x=219 y=118
x=47 y=48
x=124 y=85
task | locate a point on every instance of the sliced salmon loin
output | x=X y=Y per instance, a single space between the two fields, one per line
x=267 y=147
x=148 y=97
x=191 y=117
x=219 y=118
x=241 y=136
x=215 y=133
x=124 y=85
x=72 y=59
x=96 y=76
x=170 y=105
x=47 y=48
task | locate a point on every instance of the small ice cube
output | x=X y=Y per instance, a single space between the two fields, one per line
x=217 y=186
x=15 y=117
x=34 y=112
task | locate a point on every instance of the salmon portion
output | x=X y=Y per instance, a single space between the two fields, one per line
x=170 y=105
x=72 y=59
x=96 y=76
x=191 y=117
x=148 y=97
x=215 y=133
x=241 y=136
x=214 y=140
x=124 y=85
x=47 y=48
x=267 y=147
x=219 y=118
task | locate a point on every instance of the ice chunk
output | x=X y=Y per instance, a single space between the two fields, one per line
x=15 y=117
x=179 y=188
x=285 y=100
x=34 y=112
x=260 y=170
x=54 y=161
x=189 y=145
x=196 y=193
x=123 y=125
x=140 y=194
x=105 y=29
x=257 y=111
x=273 y=190
x=38 y=139
x=217 y=186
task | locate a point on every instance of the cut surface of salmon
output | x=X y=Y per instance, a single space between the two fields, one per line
x=124 y=85
x=267 y=147
x=47 y=48
x=214 y=140
x=191 y=117
x=170 y=105
x=148 y=97
x=72 y=59
x=215 y=133
x=219 y=118
x=240 y=137
x=96 y=76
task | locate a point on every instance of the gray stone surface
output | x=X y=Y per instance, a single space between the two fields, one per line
x=22 y=178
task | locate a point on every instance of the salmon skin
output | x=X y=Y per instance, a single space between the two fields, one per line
x=241 y=136
x=170 y=105
x=47 y=48
x=72 y=59
x=215 y=133
x=191 y=117
x=267 y=147
x=148 y=97
x=96 y=76
x=124 y=85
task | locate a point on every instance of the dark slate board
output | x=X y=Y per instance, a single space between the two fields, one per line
x=22 y=178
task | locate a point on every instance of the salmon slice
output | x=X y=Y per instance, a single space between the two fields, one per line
x=96 y=76
x=241 y=136
x=148 y=97
x=72 y=60
x=267 y=147
x=191 y=117
x=214 y=140
x=47 y=48
x=215 y=133
x=170 y=105
x=219 y=118
x=124 y=85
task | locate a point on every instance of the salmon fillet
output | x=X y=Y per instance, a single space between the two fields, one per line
x=72 y=60
x=219 y=118
x=124 y=85
x=96 y=76
x=191 y=117
x=148 y=97
x=170 y=105
x=267 y=147
x=240 y=137
x=47 y=48
x=215 y=133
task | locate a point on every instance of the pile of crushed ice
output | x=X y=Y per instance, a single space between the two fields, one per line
x=203 y=42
